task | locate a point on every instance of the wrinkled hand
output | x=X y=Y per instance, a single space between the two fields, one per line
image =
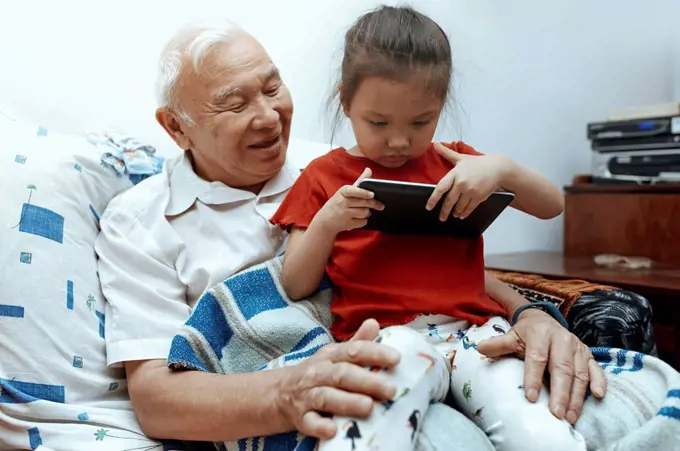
x=337 y=381
x=541 y=341
x=472 y=180
x=349 y=208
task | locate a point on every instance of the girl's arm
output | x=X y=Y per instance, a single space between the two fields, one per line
x=308 y=250
x=534 y=193
x=304 y=262
x=475 y=177
x=502 y=293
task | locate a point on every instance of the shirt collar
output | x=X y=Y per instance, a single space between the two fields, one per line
x=186 y=187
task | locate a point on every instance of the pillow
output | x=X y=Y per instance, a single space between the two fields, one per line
x=53 y=371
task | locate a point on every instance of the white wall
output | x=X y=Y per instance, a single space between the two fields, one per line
x=530 y=73
x=676 y=57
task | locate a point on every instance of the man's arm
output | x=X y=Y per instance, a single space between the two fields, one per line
x=545 y=345
x=215 y=407
x=146 y=308
x=192 y=405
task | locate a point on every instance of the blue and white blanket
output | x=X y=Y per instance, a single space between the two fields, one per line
x=247 y=323
x=127 y=155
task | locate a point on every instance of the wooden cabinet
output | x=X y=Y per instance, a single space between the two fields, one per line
x=625 y=220
x=632 y=221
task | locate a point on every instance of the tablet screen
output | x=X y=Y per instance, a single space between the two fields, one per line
x=405 y=211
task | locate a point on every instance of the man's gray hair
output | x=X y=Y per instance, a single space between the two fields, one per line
x=190 y=44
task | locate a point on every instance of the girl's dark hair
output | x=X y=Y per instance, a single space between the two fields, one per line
x=395 y=43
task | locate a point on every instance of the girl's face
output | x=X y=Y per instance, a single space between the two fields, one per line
x=393 y=121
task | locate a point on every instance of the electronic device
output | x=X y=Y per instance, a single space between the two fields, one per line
x=405 y=211
x=637 y=166
x=635 y=134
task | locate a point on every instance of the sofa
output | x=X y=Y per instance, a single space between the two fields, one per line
x=53 y=371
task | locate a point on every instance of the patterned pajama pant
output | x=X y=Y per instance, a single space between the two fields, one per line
x=440 y=353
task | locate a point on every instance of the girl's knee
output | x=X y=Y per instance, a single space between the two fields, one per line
x=535 y=433
x=411 y=344
x=420 y=361
x=401 y=334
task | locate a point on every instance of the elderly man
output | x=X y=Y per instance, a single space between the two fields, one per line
x=170 y=238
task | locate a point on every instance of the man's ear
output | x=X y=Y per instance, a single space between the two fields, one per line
x=174 y=126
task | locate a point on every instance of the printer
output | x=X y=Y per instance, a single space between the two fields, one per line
x=642 y=151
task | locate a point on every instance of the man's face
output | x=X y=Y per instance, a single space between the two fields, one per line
x=241 y=113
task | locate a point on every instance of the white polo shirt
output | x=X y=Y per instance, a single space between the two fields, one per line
x=170 y=238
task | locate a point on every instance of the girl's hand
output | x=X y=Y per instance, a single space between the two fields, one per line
x=472 y=180
x=349 y=208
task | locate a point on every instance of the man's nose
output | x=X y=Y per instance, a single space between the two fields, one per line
x=266 y=116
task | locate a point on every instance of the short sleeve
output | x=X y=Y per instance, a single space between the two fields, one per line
x=146 y=302
x=302 y=202
x=461 y=147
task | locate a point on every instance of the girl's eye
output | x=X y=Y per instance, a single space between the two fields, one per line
x=379 y=123
x=420 y=123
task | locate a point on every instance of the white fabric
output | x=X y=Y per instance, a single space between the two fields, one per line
x=488 y=391
x=491 y=393
x=167 y=240
x=56 y=391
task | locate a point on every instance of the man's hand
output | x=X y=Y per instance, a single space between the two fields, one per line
x=542 y=342
x=336 y=381
x=471 y=181
x=349 y=208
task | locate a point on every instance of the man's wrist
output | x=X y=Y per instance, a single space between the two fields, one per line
x=276 y=412
x=540 y=308
x=532 y=312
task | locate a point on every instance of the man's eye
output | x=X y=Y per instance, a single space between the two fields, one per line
x=379 y=123
x=273 y=91
x=237 y=108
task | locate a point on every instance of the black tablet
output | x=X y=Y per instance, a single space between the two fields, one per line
x=405 y=211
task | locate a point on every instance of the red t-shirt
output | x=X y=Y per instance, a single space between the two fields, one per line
x=392 y=278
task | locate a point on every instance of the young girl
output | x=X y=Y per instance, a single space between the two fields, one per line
x=428 y=293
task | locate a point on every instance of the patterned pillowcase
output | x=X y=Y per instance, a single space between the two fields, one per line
x=54 y=188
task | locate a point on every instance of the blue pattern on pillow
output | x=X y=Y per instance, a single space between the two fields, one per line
x=69 y=294
x=26 y=257
x=42 y=222
x=102 y=322
x=34 y=438
x=11 y=311
x=19 y=392
x=95 y=213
